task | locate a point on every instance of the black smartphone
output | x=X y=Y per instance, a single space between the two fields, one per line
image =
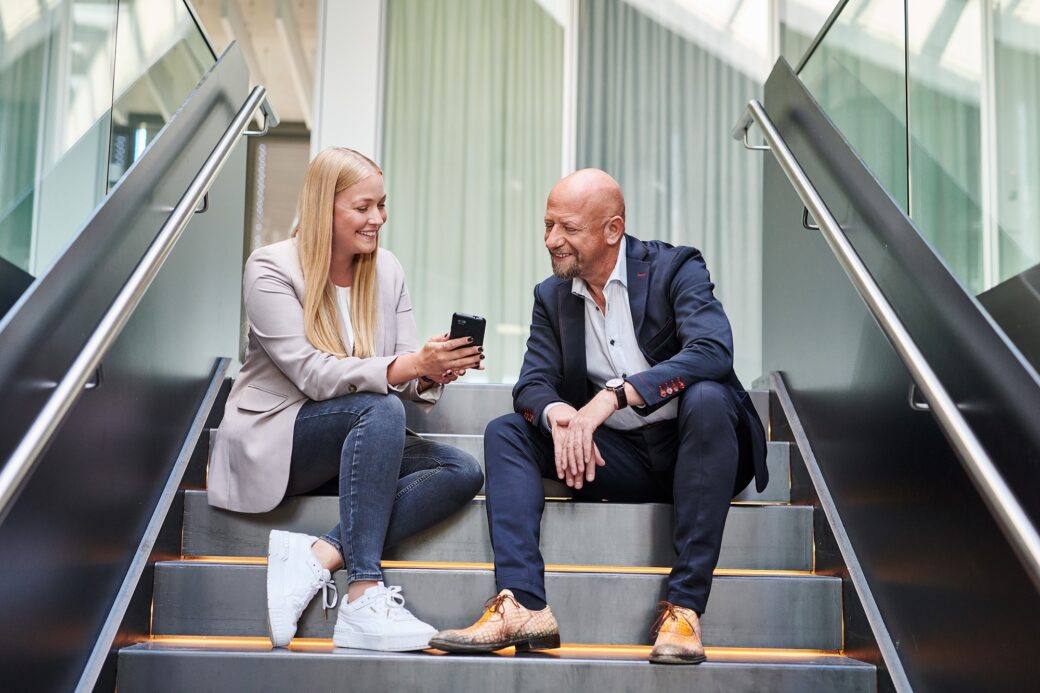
x=463 y=325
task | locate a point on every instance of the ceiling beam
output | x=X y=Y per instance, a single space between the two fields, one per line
x=733 y=14
x=299 y=67
x=235 y=27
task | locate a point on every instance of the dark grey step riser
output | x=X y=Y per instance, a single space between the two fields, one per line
x=469 y=409
x=149 y=671
x=778 y=461
x=756 y=537
x=787 y=612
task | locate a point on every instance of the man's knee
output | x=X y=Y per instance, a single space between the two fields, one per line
x=506 y=427
x=507 y=440
x=706 y=400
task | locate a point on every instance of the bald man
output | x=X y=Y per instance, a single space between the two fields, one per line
x=627 y=393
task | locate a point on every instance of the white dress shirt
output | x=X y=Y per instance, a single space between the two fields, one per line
x=611 y=349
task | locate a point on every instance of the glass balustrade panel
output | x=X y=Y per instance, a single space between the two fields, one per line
x=944 y=107
x=1016 y=137
x=799 y=22
x=62 y=142
x=858 y=75
x=56 y=62
x=946 y=60
x=973 y=85
x=161 y=55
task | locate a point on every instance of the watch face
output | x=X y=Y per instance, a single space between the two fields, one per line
x=615 y=382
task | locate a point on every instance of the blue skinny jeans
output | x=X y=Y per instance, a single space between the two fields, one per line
x=392 y=484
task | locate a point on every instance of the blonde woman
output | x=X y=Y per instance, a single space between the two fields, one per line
x=332 y=352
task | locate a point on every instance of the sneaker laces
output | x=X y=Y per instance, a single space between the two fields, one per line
x=394 y=602
x=327 y=585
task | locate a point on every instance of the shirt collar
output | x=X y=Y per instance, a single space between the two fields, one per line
x=620 y=273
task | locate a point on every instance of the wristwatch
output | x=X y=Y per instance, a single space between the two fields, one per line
x=617 y=386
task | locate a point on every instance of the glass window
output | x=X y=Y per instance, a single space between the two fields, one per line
x=659 y=86
x=472 y=143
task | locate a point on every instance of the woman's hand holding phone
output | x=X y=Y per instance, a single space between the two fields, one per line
x=444 y=360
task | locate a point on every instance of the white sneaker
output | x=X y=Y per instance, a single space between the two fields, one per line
x=294 y=576
x=378 y=621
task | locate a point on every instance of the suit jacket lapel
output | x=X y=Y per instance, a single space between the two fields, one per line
x=638 y=283
x=572 y=343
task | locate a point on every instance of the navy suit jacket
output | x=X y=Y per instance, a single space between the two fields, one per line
x=681 y=330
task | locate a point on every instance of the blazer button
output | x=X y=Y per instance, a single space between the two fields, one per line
x=352 y=389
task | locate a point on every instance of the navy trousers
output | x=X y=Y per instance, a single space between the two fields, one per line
x=691 y=462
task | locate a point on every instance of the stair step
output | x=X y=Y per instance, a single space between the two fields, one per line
x=468 y=409
x=759 y=537
x=463 y=433
x=753 y=610
x=778 y=460
x=220 y=665
x=465 y=409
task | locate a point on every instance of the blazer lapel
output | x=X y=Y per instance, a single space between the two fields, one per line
x=638 y=283
x=572 y=338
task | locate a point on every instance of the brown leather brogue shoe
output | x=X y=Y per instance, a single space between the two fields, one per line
x=678 y=636
x=505 y=623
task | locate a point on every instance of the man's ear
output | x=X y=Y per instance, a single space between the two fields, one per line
x=615 y=230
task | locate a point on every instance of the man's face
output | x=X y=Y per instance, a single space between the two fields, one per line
x=573 y=235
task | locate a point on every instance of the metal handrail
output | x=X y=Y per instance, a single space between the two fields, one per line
x=995 y=492
x=24 y=458
x=271 y=120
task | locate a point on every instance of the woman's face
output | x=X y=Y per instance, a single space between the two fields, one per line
x=358 y=212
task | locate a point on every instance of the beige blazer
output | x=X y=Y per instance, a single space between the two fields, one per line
x=249 y=468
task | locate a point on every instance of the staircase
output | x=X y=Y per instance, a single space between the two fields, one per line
x=772 y=624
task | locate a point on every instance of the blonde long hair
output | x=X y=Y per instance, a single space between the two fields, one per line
x=334 y=169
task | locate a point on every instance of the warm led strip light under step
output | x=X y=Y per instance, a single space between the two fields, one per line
x=567 y=651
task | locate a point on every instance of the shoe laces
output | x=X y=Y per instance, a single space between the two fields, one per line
x=393 y=600
x=667 y=611
x=496 y=605
x=327 y=585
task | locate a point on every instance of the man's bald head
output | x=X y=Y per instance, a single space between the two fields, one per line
x=592 y=190
x=584 y=225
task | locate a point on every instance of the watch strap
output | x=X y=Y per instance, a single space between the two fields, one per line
x=619 y=392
